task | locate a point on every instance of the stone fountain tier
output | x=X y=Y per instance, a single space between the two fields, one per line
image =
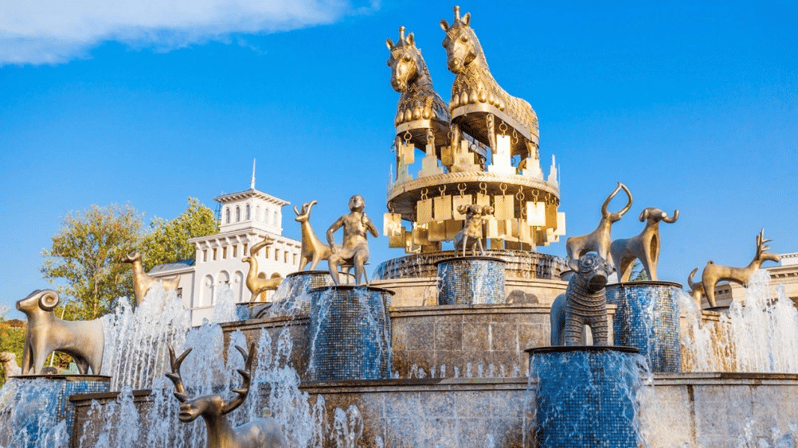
x=529 y=277
x=471 y=281
x=709 y=409
x=47 y=397
x=476 y=340
x=521 y=264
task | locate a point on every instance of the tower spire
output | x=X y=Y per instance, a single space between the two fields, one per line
x=252 y=182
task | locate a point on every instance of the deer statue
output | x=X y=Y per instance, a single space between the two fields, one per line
x=479 y=105
x=260 y=433
x=313 y=249
x=9 y=362
x=257 y=283
x=714 y=273
x=599 y=240
x=142 y=282
x=644 y=247
x=696 y=288
x=475 y=217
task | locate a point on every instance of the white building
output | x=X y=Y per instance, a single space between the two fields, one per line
x=246 y=218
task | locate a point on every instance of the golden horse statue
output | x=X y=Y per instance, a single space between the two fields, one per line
x=477 y=99
x=420 y=109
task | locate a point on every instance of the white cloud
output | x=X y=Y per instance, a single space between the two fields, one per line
x=55 y=31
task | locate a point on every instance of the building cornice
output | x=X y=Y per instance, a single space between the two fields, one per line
x=251 y=193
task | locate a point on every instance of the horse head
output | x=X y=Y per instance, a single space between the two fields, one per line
x=461 y=43
x=406 y=62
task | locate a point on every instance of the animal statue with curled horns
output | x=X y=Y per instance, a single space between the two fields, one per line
x=478 y=101
x=420 y=109
x=599 y=240
x=643 y=247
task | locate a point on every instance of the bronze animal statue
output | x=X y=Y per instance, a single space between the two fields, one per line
x=644 y=247
x=257 y=283
x=714 y=273
x=9 y=362
x=83 y=340
x=584 y=303
x=696 y=288
x=260 y=433
x=475 y=216
x=479 y=105
x=599 y=240
x=420 y=108
x=142 y=282
x=313 y=249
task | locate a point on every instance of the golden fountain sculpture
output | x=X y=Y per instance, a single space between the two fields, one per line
x=714 y=273
x=355 y=249
x=257 y=283
x=599 y=240
x=313 y=249
x=259 y=433
x=142 y=282
x=457 y=169
x=643 y=247
x=82 y=340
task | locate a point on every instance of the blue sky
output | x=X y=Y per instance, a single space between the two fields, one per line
x=693 y=105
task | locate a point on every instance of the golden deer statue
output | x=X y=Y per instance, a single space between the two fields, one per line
x=714 y=273
x=477 y=99
x=644 y=247
x=260 y=433
x=313 y=249
x=600 y=239
x=257 y=283
x=142 y=282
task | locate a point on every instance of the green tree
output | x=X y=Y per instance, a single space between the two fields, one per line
x=638 y=273
x=12 y=339
x=167 y=242
x=86 y=254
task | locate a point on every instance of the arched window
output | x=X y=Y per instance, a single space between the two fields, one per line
x=227 y=215
x=276 y=220
x=257 y=213
x=224 y=277
x=207 y=291
x=248 y=215
x=238 y=214
x=238 y=287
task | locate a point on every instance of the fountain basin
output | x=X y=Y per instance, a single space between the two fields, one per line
x=350 y=334
x=40 y=403
x=585 y=396
x=648 y=319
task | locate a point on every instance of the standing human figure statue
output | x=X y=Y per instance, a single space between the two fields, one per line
x=355 y=250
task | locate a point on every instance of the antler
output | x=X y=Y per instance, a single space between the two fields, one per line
x=180 y=391
x=247 y=375
x=609 y=198
x=760 y=243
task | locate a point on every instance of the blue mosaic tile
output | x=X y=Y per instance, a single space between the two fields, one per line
x=471 y=281
x=350 y=333
x=585 y=398
x=648 y=318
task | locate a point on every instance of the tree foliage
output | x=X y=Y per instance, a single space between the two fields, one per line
x=86 y=254
x=638 y=272
x=167 y=242
x=12 y=339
